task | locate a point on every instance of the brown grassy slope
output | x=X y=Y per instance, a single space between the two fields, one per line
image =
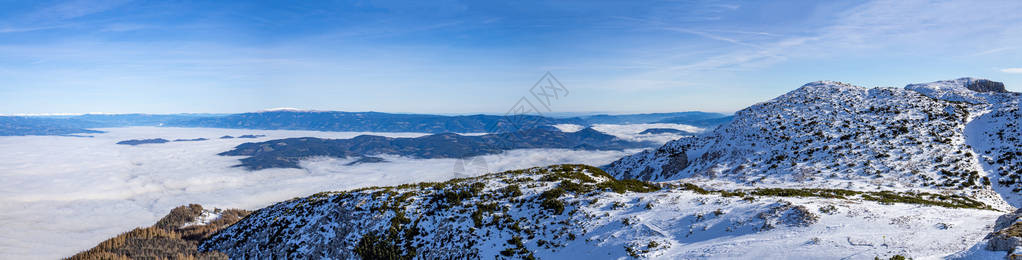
x=166 y=239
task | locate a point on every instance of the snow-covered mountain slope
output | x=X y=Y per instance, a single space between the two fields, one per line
x=577 y=211
x=995 y=133
x=830 y=134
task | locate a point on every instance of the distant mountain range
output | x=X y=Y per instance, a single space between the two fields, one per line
x=370 y=122
x=286 y=153
x=337 y=121
x=119 y=120
x=20 y=125
x=700 y=122
x=675 y=118
x=82 y=124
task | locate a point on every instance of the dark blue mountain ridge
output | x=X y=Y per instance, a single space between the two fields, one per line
x=137 y=119
x=286 y=153
x=134 y=142
x=81 y=124
x=337 y=121
x=425 y=123
x=23 y=125
x=650 y=117
x=703 y=122
x=373 y=122
x=656 y=131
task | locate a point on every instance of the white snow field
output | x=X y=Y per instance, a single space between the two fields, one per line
x=60 y=195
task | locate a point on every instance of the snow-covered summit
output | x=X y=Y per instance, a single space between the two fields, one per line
x=285 y=109
x=827 y=84
x=828 y=134
x=971 y=90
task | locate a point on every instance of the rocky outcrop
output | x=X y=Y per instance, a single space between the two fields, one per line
x=983 y=85
x=785 y=213
x=1003 y=241
x=1008 y=235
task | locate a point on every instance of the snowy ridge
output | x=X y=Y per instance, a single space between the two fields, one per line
x=950 y=90
x=287 y=109
x=577 y=211
x=828 y=134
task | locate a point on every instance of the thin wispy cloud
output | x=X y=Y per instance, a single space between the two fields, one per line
x=1012 y=70
x=60 y=15
x=73 y=9
x=124 y=27
x=907 y=26
x=714 y=37
x=995 y=50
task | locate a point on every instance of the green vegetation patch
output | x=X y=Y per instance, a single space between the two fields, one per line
x=820 y=193
x=373 y=246
x=622 y=186
x=884 y=197
x=947 y=201
x=567 y=172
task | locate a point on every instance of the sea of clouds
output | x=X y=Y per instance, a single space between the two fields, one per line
x=60 y=195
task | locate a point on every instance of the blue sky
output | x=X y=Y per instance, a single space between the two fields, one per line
x=467 y=57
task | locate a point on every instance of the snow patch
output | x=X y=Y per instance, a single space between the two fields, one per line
x=207 y=216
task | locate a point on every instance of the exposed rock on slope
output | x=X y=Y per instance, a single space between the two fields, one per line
x=982 y=85
x=1007 y=233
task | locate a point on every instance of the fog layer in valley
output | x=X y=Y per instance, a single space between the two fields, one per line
x=631 y=132
x=61 y=195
